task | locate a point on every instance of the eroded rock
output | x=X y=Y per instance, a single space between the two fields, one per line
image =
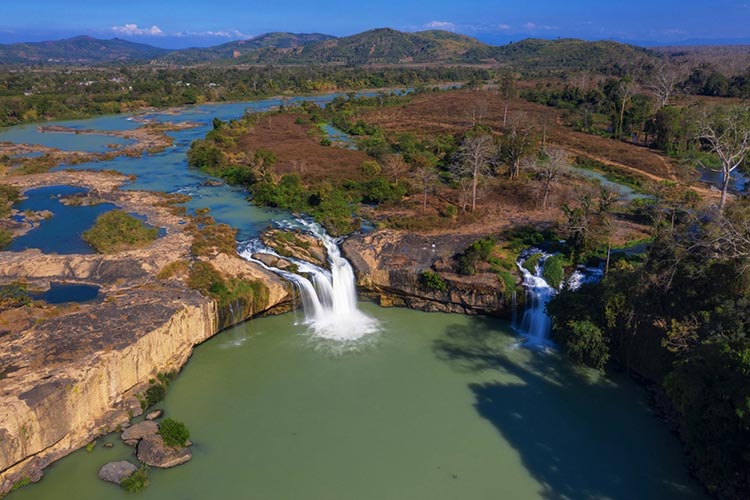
x=152 y=451
x=115 y=472
x=154 y=414
x=139 y=431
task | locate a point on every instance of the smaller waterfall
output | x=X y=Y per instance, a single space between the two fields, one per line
x=329 y=298
x=535 y=324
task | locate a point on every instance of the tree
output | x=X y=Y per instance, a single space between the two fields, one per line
x=518 y=141
x=473 y=160
x=619 y=93
x=477 y=112
x=664 y=84
x=726 y=133
x=424 y=174
x=547 y=168
x=506 y=84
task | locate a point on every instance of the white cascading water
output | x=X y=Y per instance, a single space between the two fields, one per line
x=535 y=324
x=329 y=298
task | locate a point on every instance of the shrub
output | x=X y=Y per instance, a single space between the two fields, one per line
x=584 y=343
x=117 y=230
x=137 y=481
x=530 y=263
x=477 y=252
x=174 y=433
x=432 y=281
x=173 y=269
x=553 y=272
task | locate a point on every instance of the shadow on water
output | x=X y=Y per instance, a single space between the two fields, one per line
x=578 y=434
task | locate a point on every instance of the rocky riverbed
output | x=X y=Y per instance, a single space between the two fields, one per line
x=71 y=372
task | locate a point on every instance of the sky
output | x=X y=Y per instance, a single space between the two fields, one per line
x=183 y=23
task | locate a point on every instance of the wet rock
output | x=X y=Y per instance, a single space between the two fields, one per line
x=108 y=445
x=140 y=431
x=154 y=414
x=152 y=451
x=298 y=245
x=115 y=472
x=273 y=261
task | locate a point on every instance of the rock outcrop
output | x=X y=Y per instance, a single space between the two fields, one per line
x=389 y=265
x=115 y=472
x=70 y=373
x=152 y=451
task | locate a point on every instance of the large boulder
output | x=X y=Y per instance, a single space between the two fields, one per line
x=115 y=472
x=152 y=451
x=139 y=431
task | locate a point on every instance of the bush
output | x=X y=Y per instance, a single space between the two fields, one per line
x=553 y=272
x=137 y=481
x=532 y=262
x=117 y=230
x=174 y=433
x=584 y=343
x=432 y=281
x=477 y=252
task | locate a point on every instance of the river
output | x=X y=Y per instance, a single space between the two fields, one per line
x=433 y=406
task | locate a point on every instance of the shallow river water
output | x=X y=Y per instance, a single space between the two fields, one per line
x=434 y=406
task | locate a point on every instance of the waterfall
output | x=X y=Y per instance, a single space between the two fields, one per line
x=535 y=324
x=329 y=298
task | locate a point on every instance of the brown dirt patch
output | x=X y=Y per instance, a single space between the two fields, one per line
x=448 y=112
x=299 y=151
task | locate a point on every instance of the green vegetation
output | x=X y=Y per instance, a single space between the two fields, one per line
x=176 y=268
x=210 y=238
x=24 y=481
x=679 y=319
x=157 y=389
x=532 y=262
x=252 y=295
x=117 y=231
x=432 y=281
x=90 y=446
x=8 y=196
x=477 y=252
x=137 y=481
x=56 y=95
x=14 y=295
x=553 y=272
x=174 y=433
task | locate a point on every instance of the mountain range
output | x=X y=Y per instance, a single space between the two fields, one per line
x=374 y=47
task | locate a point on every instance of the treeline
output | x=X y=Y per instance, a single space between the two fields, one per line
x=680 y=319
x=31 y=96
x=645 y=110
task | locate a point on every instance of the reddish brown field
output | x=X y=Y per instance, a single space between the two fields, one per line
x=449 y=112
x=300 y=152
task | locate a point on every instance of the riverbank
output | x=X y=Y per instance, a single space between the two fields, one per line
x=73 y=371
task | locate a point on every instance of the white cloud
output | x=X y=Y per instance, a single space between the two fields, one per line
x=503 y=27
x=440 y=25
x=217 y=34
x=134 y=30
x=537 y=27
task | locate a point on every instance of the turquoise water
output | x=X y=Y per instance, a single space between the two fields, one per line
x=62 y=232
x=436 y=407
x=69 y=141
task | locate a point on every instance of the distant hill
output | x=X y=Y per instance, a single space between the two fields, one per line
x=243 y=48
x=78 y=50
x=569 y=53
x=374 y=47
x=379 y=46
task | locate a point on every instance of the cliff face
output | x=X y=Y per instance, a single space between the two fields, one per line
x=389 y=265
x=69 y=373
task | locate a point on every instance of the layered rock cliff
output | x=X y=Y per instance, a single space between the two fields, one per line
x=389 y=266
x=69 y=373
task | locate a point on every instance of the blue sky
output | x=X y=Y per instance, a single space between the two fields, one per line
x=180 y=23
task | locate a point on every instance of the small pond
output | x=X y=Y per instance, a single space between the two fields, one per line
x=61 y=293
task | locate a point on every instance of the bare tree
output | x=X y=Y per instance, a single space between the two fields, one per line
x=664 y=84
x=424 y=175
x=548 y=168
x=519 y=140
x=478 y=112
x=726 y=133
x=395 y=167
x=506 y=83
x=473 y=160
